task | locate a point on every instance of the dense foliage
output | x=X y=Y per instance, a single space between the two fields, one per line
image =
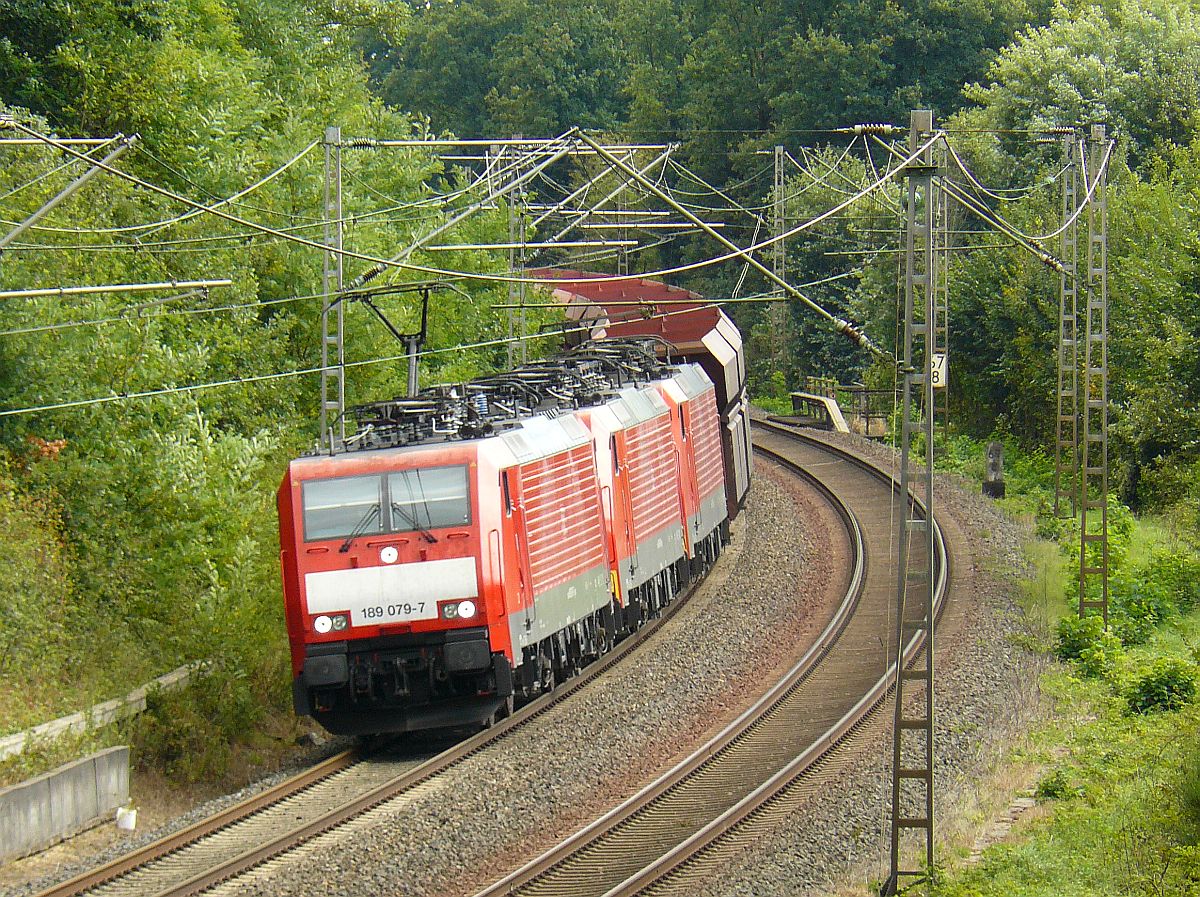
x=1116 y=757
x=726 y=77
x=1126 y=64
x=145 y=529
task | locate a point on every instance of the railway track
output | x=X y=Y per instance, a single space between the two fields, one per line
x=345 y=786
x=824 y=699
x=313 y=802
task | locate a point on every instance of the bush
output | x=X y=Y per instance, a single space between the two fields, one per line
x=1051 y=528
x=188 y=733
x=1137 y=607
x=1167 y=685
x=1099 y=661
x=1075 y=634
x=39 y=600
x=1186 y=789
x=1084 y=640
x=1055 y=786
x=1178 y=573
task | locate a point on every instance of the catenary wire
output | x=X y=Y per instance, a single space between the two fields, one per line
x=131 y=315
x=186 y=215
x=442 y=272
x=1020 y=192
x=282 y=375
x=99 y=150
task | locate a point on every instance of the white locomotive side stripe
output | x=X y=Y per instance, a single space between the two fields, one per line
x=425 y=582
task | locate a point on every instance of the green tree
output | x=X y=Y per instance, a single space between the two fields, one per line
x=166 y=505
x=1134 y=64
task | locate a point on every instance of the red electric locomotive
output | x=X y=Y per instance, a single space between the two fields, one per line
x=477 y=543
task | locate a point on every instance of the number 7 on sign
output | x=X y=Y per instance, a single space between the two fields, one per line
x=939 y=370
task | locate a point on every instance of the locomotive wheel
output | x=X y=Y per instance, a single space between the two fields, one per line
x=504 y=711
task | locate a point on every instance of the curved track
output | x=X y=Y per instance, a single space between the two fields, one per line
x=310 y=803
x=825 y=697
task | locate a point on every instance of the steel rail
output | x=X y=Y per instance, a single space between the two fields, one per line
x=816 y=754
x=714 y=746
x=590 y=840
x=175 y=840
x=361 y=803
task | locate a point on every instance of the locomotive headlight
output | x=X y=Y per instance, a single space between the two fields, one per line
x=339 y=622
x=466 y=609
x=322 y=624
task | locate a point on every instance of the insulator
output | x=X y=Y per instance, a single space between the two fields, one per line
x=877 y=129
x=481 y=403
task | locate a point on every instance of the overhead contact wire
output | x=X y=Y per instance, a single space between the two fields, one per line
x=98 y=150
x=283 y=375
x=443 y=272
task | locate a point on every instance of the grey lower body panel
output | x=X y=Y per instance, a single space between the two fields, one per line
x=653 y=556
x=711 y=515
x=559 y=607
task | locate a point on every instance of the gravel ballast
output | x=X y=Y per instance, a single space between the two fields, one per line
x=767 y=600
x=986 y=695
x=506 y=803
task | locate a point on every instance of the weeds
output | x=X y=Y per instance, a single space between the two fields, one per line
x=1167 y=685
x=1055 y=786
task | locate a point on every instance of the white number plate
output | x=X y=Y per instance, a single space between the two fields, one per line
x=393 y=612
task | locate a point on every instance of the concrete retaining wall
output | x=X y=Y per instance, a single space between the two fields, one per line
x=53 y=806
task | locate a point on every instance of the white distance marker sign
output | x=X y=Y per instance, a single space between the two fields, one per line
x=939 y=370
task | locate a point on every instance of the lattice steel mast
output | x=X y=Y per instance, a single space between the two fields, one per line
x=940 y=344
x=912 y=734
x=778 y=219
x=1066 y=439
x=777 y=312
x=1093 y=482
x=516 y=263
x=333 y=313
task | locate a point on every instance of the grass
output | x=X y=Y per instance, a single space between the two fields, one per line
x=1041 y=596
x=1119 y=822
x=1120 y=791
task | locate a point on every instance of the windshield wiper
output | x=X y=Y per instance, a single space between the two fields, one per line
x=429 y=537
x=360 y=527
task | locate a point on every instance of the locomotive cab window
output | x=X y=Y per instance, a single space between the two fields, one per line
x=339 y=507
x=428 y=498
x=401 y=502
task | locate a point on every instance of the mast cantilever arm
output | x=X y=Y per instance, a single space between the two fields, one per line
x=841 y=326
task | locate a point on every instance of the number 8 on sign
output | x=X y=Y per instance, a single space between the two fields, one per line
x=938 y=370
